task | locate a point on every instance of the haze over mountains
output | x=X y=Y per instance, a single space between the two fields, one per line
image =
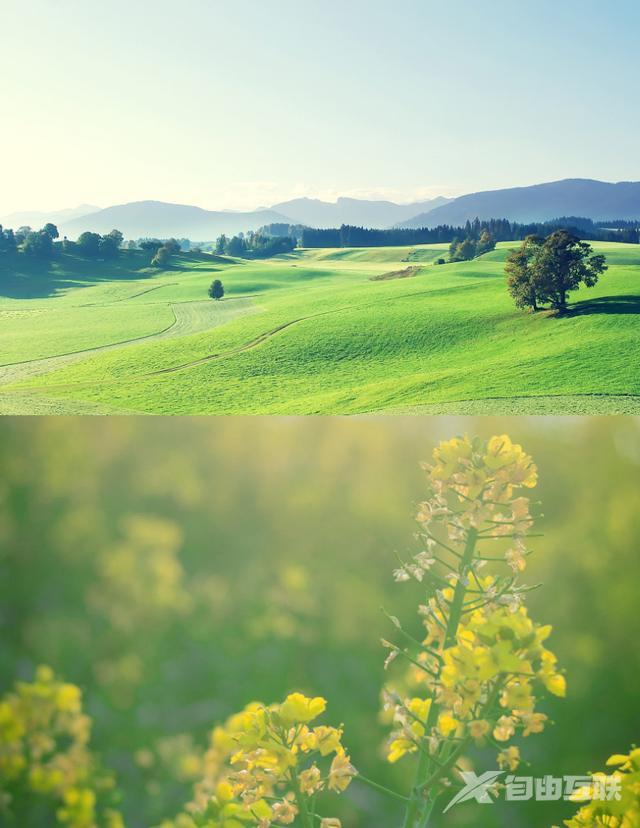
x=158 y=218
x=588 y=198
x=583 y=197
x=379 y=214
x=36 y=218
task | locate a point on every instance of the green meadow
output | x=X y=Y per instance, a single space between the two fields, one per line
x=347 y=331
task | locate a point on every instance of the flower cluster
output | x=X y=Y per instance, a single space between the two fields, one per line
x=621 y=811
x=475 y=673
x=44 y=754
x=266 y=766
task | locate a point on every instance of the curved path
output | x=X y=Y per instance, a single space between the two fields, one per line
x=173 y=331
x=188 y=318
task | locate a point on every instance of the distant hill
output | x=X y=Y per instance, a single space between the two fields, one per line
x=540 y=202
x=157 y=218
x=355 y=211
x=37 y=219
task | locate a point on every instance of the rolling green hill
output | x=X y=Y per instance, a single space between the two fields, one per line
x=312 y=332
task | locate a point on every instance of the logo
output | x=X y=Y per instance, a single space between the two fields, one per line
x=486 y=789
x=475 y=787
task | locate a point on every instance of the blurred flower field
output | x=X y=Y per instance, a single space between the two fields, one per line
x=178 y=569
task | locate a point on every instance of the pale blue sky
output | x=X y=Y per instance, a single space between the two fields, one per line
x=244 y=103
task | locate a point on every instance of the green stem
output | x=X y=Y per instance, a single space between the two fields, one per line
x=419 y=809
x=307 y=820
x=381 y=788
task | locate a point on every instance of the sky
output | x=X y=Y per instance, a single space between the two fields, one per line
x=235 y=104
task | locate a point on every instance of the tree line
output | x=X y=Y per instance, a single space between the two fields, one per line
x=471 y=247
x=33 y=242
x=254 y=245
x=282 y=229
x=499 y=229
x=40 y=243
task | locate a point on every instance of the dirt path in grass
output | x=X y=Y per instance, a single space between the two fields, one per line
x=253 y=343
x=263 y=337
x=188 y=318
x=246 y=346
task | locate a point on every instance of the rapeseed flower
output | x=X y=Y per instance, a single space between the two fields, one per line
x=481 y=665
x=45 y=755
x=266 y=763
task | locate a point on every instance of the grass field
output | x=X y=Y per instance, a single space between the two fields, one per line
x=317 y=331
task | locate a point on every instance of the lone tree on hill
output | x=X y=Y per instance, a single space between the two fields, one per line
x=563 y=264
x=216 y=290
x=547 y=270
x=521 y=274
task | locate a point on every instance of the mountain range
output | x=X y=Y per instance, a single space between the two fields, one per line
x=38 y=218
x=583 y=197
x=158 y=218
x=588 y=198
x=355 y=211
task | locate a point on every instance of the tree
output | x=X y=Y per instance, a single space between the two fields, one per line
x=235 y=246
x=22 y=232
x=149 y=244
x=7 y=241
x=520 y=272
x=562 y=264
x=89 y=243
x=51 y=230
x=463 y=252
x=116 y=237
x=162 y=257
x=172 y=246
x=486 y=242
x=216 y=290
x=38 y=243
x=108 y=247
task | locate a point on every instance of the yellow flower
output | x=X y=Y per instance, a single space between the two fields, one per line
x=310 y=780
x=399 y=748
x=420 y=708
x=509 y=759
x=330 y=822
x=341 y=773
x=504 y=729
x=448 y=455
x=68 y=698
x=500 y=452
x=447 y=724
x=533 y=722
x=517 y=696
x=556 y=684
x=284 y=812
x=297 y=709
x=327 y=739
x=44 y=674
x=224 y=791
x=478 y=729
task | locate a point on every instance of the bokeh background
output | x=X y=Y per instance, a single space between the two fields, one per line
x=178 y=568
